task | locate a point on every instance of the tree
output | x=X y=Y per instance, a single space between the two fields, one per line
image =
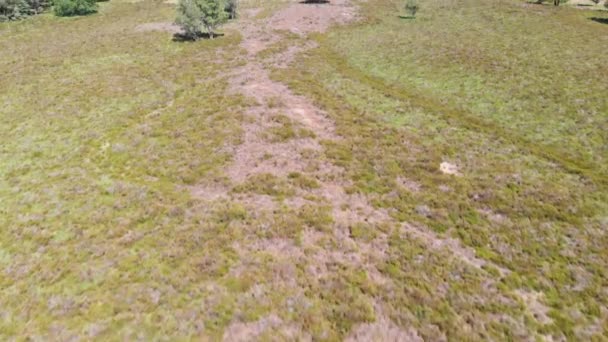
x=68 y=8
x=411 y=7
x=194 y=15
x=189 y=18
x=232 y=8
x=19 y=9
x=13 y=9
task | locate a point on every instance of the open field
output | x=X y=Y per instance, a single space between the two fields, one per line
x=319 y=172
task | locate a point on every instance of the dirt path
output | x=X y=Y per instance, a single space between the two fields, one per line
x=258 y=155
x=273 y=97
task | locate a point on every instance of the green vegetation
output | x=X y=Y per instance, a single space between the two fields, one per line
x=194 y=15
x=532 y=197
x=19 y=9
x=120 y=221
x=286 y=129
x=266 y=184
x=68 y=8
x=232 y=7
x=483 y=89
x=97 y=230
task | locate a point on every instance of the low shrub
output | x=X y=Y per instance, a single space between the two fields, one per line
x=68 y=8
x=19 y=9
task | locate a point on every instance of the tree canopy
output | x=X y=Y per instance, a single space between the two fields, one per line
x=194 y=16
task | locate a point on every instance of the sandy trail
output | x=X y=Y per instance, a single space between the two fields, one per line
x=257 y=155
x=273 y=97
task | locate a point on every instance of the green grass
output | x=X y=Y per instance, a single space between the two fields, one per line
x=102 y=127
x=285 y=130
x=462 y=63
x=266 y=184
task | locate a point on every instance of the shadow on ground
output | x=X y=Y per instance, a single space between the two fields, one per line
x=599 y=20
x=180 y=37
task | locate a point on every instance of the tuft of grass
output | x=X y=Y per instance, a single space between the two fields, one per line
x=286 y=130
x=266 y=184
x=302 y=181
x=363 y=231
x=318 y=217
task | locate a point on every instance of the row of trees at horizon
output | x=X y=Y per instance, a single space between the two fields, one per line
x=197 y=18
x=192 y=14
x=19 y=9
